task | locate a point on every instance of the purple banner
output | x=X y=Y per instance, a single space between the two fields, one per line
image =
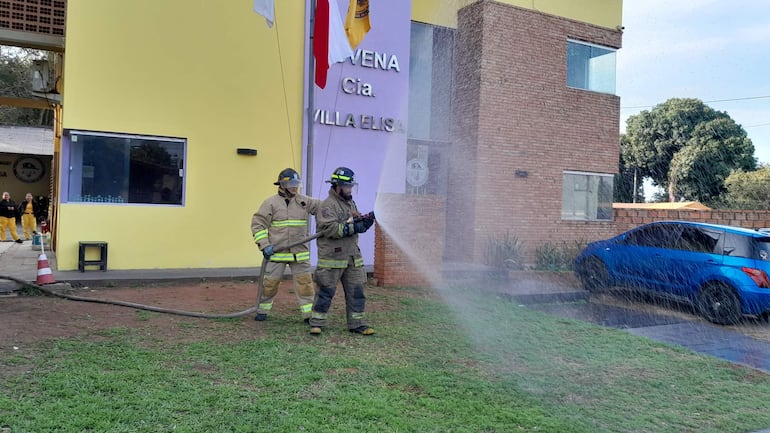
x=359 y=118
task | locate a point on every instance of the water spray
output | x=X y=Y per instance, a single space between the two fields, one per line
x=251 y=310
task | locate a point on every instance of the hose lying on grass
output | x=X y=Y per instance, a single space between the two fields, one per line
x=251 y=310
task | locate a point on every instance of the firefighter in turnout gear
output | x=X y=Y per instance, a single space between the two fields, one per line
x=280 y=221
x=339 y=258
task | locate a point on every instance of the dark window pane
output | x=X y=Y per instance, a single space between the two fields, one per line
x=125 y=169
x=657 y=236
x=697 y=240
x=738 y=246
x=763 y=249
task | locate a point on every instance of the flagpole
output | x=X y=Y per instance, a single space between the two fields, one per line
x=310 y=102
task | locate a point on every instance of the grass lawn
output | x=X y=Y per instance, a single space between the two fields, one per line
x=448 y=361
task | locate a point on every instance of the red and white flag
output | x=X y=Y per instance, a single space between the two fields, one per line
x=330 y=43
x=266 y=8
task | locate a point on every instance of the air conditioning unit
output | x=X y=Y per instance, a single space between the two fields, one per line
x=42 y=76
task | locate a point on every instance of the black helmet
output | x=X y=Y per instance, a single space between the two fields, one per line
x=288 y=178
x=343 y=176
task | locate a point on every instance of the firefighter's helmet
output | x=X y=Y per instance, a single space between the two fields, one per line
x=288 y=178
x=343 y=176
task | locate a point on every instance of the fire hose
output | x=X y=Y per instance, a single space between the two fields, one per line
x=251 y=310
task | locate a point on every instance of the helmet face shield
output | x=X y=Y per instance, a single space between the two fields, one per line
x=290 y=183
x=288 y=178
x=346 y=190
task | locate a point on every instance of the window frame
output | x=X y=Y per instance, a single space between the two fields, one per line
x=587 y=71
x=72 y=170
x=599 y=210
x=430 y=89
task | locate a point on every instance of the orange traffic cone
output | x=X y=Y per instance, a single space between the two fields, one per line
x=44 y=274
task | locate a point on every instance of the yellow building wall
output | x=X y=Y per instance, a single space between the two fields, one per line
x=207 y=71
x=211 y=72
x=603 y=13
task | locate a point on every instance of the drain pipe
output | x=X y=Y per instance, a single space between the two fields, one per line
x=251 y=310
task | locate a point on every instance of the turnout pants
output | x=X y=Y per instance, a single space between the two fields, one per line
x=303 y=285
x=353 y=280
x=10 y=224
x=29 y=224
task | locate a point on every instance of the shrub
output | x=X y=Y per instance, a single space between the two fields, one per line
x=553 y=256
x=503 y=252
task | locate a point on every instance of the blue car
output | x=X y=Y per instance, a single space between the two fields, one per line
x=721 y=270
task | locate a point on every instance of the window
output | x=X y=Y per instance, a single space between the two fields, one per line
x=653 y=236
x=430 y=87
x=590 y=67
x=586 y=196
x=118 y=168
x=699 y=240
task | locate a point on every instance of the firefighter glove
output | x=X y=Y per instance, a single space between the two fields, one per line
x=268 y=251
x=367 y=220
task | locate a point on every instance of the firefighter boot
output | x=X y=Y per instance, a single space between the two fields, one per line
x=363 y=330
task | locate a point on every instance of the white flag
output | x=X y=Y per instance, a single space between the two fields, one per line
x=266 y=8
x=339 y=46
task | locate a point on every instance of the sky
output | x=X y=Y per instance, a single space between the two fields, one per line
x=717 y=51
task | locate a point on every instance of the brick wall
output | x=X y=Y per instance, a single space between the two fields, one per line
x=626 y=219
x=410 y=235
x=409 y=239
x=517 y=127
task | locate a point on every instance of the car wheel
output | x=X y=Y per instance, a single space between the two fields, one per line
x=593 y=274
x=718 y=303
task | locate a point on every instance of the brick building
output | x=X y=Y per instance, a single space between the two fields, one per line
x=523 y=134
x=532 y=139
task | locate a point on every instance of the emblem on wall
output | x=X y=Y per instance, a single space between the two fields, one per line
x=417 y=172
x=28 y=169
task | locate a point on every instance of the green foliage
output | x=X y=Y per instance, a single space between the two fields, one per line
x=29 y=291
x=15 y=72
x=749 y=190
x=624 y=180
x=558 y=256
x=715 y=150
x=503 y=252
x=686 y=146
x=465 y=363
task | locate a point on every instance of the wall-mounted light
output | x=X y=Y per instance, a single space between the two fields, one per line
x=245 y=151
x=521 y=173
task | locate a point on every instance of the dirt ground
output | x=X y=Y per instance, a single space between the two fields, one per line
x=27 y=319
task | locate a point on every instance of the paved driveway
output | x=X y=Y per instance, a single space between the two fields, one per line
x=747 y=343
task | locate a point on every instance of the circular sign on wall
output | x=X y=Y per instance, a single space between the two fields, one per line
x=28 y=169
x=416 y=172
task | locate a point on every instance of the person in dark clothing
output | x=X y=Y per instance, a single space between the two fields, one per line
x=8 y=217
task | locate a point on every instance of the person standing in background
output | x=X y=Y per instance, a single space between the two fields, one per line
x=29 y=209
x=8 y=217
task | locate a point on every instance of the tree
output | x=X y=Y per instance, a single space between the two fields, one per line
x=748 y=189
x=15 y=72
x=715 y=149
x=627 y=178
x=687 y=147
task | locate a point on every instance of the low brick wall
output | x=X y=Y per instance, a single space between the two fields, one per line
x=626 y=219
x=409 y=239
x=410 y=233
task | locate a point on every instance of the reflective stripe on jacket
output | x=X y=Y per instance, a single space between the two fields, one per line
x=279 y=223
x=334 y=249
